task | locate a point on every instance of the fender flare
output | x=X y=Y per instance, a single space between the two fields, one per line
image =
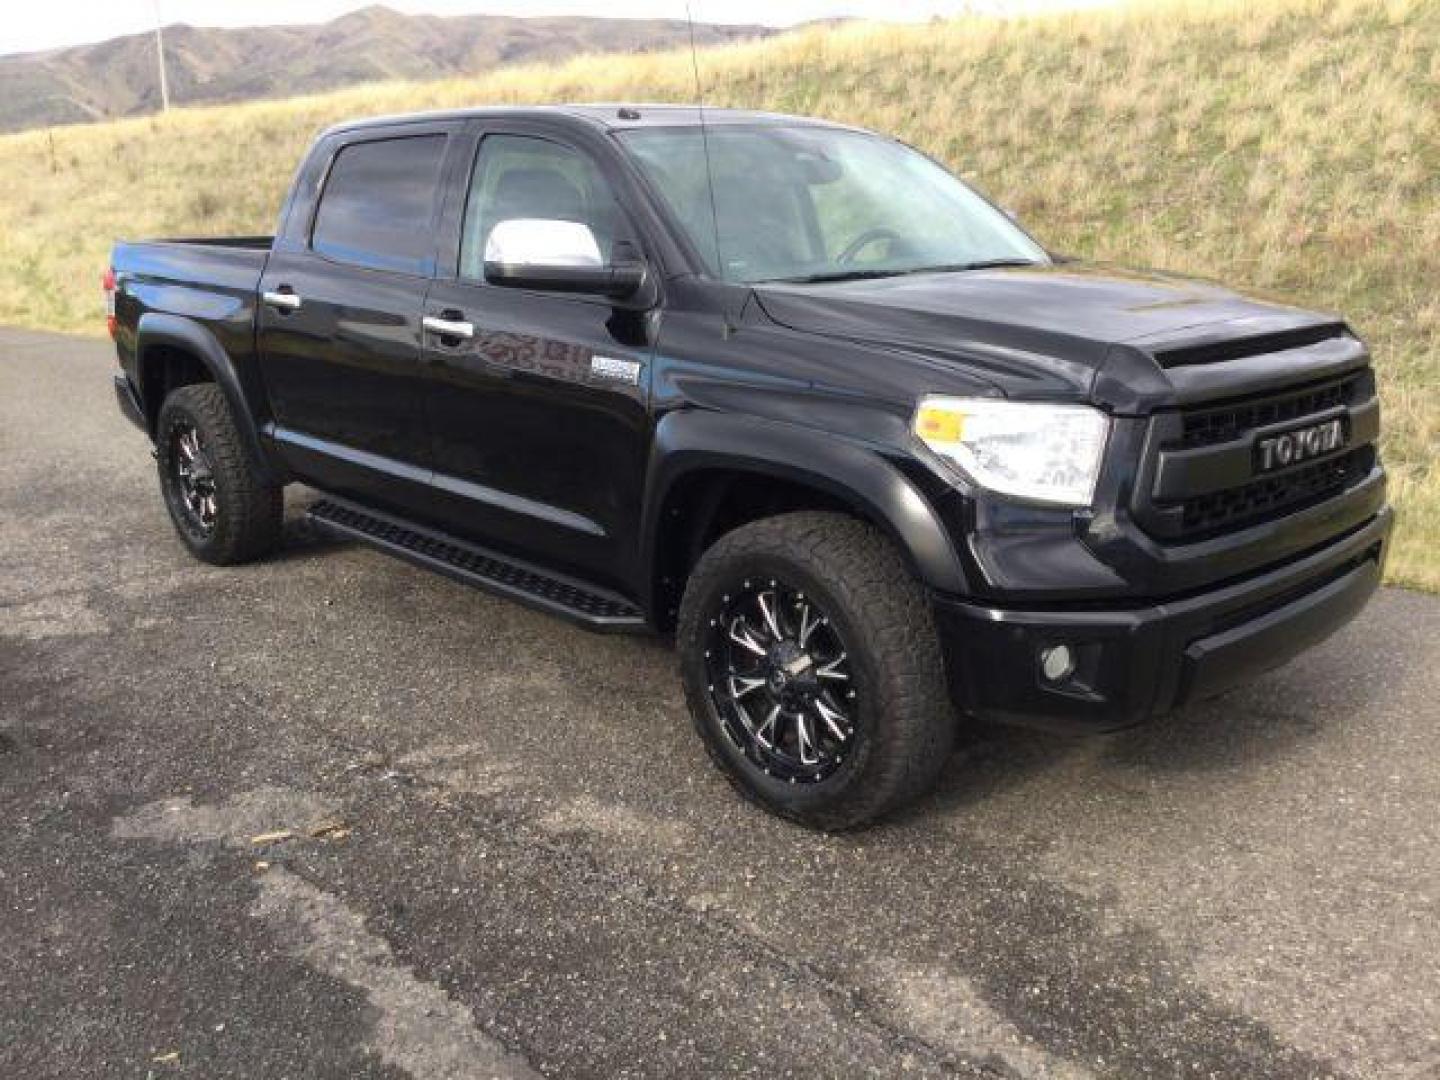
x=690 y=441
x=177 y=332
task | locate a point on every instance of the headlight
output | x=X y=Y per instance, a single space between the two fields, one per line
x=1028 y=450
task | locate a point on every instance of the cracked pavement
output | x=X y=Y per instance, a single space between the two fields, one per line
x=507 y=854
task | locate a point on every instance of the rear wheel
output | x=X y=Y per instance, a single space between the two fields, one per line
x=221 y=507
x=813 y=671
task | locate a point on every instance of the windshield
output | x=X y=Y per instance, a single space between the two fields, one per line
x=813 y=203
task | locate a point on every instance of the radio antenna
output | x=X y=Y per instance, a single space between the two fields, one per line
x=705 y=142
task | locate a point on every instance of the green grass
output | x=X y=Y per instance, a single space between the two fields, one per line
x=1293 y=146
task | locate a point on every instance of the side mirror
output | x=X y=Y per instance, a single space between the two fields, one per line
x=560 y=256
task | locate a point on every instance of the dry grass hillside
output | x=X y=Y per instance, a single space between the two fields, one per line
x=1292 y=145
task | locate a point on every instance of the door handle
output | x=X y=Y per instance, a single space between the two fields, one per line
x=451 y=328
x=285 y=298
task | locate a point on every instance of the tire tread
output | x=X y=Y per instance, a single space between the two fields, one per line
x=889 y=608
x=253 y=510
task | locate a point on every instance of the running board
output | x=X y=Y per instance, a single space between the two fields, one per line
x=590 y=606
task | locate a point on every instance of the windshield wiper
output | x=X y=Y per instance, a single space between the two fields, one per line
x=833 y=275
x=862 y=275
x=981 y=264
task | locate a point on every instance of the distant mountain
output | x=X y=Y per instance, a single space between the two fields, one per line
x=118 y=77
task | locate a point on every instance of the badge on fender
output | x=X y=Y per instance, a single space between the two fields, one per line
x=612 y=367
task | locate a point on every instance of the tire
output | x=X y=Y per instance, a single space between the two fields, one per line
x=222 y=509
x=897 y=724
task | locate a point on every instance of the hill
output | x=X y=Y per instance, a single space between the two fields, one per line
x=118 y=77
x=1293 y=146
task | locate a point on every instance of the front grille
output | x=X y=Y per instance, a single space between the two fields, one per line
x=1203 y=427
x=1221 y=511
x=1212 y=436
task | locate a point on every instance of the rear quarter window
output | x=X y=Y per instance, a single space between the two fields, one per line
x=378 y=205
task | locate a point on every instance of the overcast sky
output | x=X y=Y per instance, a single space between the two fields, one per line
x=44 y=24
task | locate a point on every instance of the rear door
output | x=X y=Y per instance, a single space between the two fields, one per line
x=539 y=420
x=339 y=314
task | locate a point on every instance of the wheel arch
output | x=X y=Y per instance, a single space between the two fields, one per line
x=699 y=458
x=173 y=351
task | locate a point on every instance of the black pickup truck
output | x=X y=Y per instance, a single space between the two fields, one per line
x=785 y=390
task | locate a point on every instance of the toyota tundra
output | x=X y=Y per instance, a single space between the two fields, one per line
x=785 y=392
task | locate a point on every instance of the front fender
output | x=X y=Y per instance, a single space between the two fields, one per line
x=158 y=329
x=687 y=441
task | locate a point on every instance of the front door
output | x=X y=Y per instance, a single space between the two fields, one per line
x=339 y=319
x=538 y=419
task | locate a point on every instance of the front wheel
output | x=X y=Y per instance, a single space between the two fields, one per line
x=813 y=670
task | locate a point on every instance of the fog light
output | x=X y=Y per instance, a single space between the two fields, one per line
x=1057 y=663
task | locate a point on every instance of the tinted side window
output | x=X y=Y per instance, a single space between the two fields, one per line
x=377 y=204
x=518 y=176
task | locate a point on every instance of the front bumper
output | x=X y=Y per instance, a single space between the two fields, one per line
x=1133 y=663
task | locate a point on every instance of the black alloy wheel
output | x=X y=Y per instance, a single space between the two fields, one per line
x=194 y=477
x=780 y=681
x=223 y=507
x=813 y=670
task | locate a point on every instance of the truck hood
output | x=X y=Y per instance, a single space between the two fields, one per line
x=1033 y=331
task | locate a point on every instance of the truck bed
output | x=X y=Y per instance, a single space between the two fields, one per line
x=209 y=279
x=207 y=283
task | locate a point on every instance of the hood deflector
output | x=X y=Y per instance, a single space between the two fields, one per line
x=1216 y=352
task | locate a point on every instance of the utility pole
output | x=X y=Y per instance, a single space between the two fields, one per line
x=160 y=59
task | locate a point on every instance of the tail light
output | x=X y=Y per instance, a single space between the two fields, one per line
x=107 y=282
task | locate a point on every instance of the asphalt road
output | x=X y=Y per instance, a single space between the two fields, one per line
x=524 y=864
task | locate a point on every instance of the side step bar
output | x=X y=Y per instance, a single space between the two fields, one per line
x=590 y=606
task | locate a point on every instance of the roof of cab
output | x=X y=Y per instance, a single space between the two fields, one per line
x=616 y=116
